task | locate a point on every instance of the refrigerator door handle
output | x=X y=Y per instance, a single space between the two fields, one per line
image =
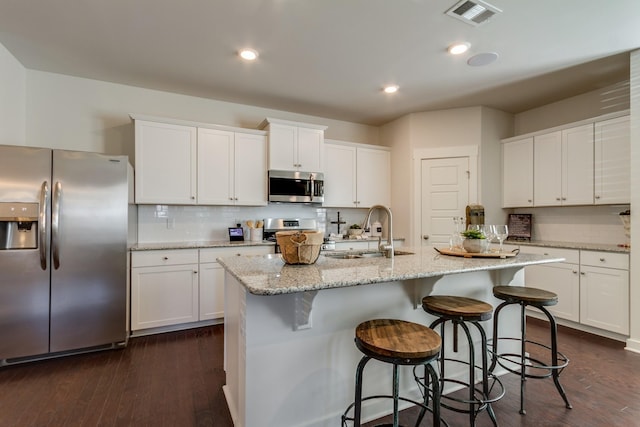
x=55 y=224
x=43 y=224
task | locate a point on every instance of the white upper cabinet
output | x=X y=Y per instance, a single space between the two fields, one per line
x=356 y=176
x=185 y=165
x=612 y=164
x=294 y=146
x=585 y=163
x=165 y=169
x=517 y=173
x=563 y=167
x=231 y=168
x=340 y=176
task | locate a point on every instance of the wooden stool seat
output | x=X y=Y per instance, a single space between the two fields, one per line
x=531 y=296
x=458 y=308
x=397 y=339
x=399 y=343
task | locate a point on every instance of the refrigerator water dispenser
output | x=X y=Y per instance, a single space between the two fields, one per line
x=18 y=226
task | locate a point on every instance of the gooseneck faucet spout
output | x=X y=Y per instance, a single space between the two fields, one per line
x=387 y=248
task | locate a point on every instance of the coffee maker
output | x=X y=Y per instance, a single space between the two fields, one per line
x=475 y=215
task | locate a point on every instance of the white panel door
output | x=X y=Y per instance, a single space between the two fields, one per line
x=547 y=169
x=165 y=163
x=517 y=173
x=340 y=176
x=282 y=147
x=562 y=279
x=604 y=298
x=612 y=161
x=309 y=149
x=444 y=194
x=215 y=167
x=374 y=177
x=250 y=177
x=577 y=165
x=211 y=291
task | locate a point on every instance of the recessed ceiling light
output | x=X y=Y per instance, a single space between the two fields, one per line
x=458 y=48
x=248 y=54
x=390 y=89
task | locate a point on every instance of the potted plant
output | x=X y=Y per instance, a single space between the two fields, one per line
x=474 y=241
x=355 y=230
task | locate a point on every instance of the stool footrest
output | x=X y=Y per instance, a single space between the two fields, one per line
x=346 y=419
x=531 y=363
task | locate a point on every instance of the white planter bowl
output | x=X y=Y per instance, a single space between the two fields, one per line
x=475 y=245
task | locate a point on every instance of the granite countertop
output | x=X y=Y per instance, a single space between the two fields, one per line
x=269 y=275
x=196 y=245
x=573 y=245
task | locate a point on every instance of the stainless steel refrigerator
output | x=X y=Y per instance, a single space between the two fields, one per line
x=63 y=249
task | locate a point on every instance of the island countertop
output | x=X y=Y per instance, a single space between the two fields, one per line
x=269 y=275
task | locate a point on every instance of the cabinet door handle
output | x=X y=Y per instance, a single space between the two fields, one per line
x=582 y=273
x=602 y=260
x=557 y=199
x=564 y=198
x=195 y=272
x=575 y=271
x=597 y=197
x=165 y=258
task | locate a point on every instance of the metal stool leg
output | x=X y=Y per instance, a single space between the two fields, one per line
x=485 y=371
x=523 y=353
x=554 y=356
x=357 y=411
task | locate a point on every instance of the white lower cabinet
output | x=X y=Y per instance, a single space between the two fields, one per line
x=173 y=287
x=212 y=277
x=604 y=291
x=164 y=288
x=592 y=286
x=561 y=278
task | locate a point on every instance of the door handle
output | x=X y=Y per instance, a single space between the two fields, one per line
x=55 y=224
x=43 y=223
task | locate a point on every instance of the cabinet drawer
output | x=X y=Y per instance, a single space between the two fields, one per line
x=605 y=259
x=210 y=254
x=170 y=257
x=571 y=256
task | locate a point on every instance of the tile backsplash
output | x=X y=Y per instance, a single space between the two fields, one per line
x=168 y=223
x=583 y=224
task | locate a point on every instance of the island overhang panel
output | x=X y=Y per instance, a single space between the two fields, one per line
x=289 y=353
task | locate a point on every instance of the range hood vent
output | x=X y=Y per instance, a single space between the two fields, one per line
x=473 y=12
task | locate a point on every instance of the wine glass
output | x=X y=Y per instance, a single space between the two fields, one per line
x=502 y=232
x=490 y=232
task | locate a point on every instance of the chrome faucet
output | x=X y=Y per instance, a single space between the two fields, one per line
x=387 y=249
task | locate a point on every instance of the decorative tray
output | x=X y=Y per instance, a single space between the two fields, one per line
x=465 y=254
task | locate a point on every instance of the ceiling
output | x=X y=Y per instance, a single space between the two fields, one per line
x=330 y=58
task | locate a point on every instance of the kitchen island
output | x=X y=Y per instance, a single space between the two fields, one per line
x=290 y=358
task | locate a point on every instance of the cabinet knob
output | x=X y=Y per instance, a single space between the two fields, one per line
x=425 y=237
x=230 y=198
x=564 y=198
x=529 y=200
x=165 y=258
x=602 y=260
x=575 y=271
x=193 y=197
x=235 y=198
x=582 y=273
x=557 y=199
x=597 y=197
x=195 y=272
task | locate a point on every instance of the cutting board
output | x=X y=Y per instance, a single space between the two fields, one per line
x=465 y=254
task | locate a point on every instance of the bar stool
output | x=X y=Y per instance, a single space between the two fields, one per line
x=400 y=343
x=461 y=312
x=520 y=363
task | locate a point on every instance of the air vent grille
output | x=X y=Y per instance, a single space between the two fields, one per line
x=473 y=12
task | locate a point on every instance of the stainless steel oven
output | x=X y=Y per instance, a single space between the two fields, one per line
x=296 y=187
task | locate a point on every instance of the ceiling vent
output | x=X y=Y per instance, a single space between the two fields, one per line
x=473 y=12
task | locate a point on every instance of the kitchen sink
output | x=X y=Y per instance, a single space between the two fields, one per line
x=361 y=254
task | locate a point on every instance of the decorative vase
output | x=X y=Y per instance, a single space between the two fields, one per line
x=475 y=245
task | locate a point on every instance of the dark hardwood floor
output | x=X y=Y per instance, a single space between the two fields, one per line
x=175 y=379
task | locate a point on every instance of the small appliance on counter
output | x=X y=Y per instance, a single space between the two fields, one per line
x=475 y=215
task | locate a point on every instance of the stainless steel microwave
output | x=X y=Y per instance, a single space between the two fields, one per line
x=296 y=187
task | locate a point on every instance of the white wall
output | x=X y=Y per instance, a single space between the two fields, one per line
x=90 y=115
x=585 y=106
x=12 y=100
